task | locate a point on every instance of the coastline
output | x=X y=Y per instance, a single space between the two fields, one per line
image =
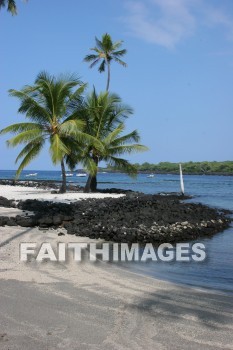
x=131 y=217
x=124 y=310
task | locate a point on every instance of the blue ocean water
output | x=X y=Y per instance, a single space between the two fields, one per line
x=216 y=272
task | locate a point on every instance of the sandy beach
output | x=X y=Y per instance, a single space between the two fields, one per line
x=23 y=193
x=72 y=305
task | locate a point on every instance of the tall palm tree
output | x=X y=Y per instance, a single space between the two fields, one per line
x=51 y=106
x=106 y=51
x=104 y=116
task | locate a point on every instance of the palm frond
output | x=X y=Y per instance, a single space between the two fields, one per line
x=58 y=149
x=94 y=62
x=24 y=137
x=102 y=66
x=113 y=135
x=44 y=76
x=71 y=127
x=31 y=106
x=119 y=53
x=130 y=137
x=33 y=153
x=107 y=44
x=51 y=88
x=122 y=63
x=71 y=161
x=29 y=147
x=90 y=58
x=20 y=127
x=117 y=44
x=123 y=165
x=89 y=165
x=74 y=106
x=126 y=149
x=78 y=92
x=99 y=44
x=11 y=6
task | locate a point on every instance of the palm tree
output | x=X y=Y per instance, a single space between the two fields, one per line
x=105 y=52
x=51 y=105
x=104 y=116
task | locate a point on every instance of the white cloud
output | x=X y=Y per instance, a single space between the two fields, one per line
x=163 y=22
x=168 y=22
x=217 y=17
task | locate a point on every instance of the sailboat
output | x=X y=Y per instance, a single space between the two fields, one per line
x=181 y=180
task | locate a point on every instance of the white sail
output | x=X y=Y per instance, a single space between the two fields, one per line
x=181 y=180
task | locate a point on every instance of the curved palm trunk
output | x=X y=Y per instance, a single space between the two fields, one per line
x=108 y=81
x=63 y=171
x=87 y=187
x=91 y=185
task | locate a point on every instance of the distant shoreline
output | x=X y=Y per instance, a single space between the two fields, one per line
x=118 y=172
x=146 y=172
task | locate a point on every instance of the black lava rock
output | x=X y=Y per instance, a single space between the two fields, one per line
x=133 y=218
x=6 y=203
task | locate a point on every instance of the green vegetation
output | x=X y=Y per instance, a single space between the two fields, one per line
x=106 y=51
x=189 y=167
x=79 y=129
x=51 y=106
x=104 y=116
x=11 y=6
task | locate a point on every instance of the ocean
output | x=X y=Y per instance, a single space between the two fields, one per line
x=216 y=272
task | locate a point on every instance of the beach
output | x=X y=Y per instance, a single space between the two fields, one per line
x=23 y=193
x=98 y=305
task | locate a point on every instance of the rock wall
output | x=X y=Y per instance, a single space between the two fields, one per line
x=133 y=218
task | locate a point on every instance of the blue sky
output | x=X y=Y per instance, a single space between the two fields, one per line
x=179 y=78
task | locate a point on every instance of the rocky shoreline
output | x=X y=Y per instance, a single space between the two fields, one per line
x=134 y=218
x=42 y=184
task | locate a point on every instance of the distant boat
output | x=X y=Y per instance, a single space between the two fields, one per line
x=181 y=180
x=81 y=175
x=68 y=174
x=151 y=175
x=33 y=174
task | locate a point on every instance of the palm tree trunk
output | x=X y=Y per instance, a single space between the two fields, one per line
x=63 y=171
x=91 y=185
x=87 y=187
x=108 y=81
